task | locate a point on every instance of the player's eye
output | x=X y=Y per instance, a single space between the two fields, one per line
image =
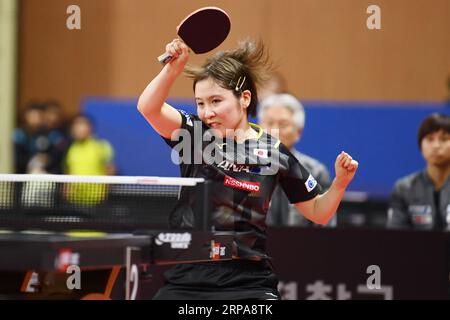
x=216 y=101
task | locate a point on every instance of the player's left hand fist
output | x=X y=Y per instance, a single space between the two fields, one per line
x=345 y=168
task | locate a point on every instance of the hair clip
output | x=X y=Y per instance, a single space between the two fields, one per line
x=240 y=84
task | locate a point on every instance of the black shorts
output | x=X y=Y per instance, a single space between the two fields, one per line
x=224 y=280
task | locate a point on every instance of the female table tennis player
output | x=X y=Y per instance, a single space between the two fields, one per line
x=244 y=164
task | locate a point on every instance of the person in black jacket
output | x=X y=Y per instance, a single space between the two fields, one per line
x=422 y=199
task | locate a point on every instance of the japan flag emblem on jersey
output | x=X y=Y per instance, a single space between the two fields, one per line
x=311 y=183
x=260 y=153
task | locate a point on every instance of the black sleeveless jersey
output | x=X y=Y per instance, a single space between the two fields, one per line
x=242 y=178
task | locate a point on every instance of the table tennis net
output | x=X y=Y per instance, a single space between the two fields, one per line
x=111 y=203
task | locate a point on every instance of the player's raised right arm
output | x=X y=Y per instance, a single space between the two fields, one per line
x=163 y=117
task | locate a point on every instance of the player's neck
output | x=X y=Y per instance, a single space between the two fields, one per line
x=244 y=131
x=438 y=175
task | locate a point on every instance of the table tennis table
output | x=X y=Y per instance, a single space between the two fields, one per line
x=108 y=227
x=48 y=256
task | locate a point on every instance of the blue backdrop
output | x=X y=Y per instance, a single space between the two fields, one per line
x=381 y=136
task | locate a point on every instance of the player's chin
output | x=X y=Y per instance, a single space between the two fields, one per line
x=218 y=132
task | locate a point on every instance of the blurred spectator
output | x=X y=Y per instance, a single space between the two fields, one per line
x=276 y=84
x=54 y=119
x=42 y=133
x=31 y=138
x=38 y=164
x=57 y=134
x=88 y=155
x=285 y=113
x=422 y=200
x=38 y=193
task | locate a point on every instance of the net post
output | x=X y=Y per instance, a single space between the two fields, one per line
x=203 y=206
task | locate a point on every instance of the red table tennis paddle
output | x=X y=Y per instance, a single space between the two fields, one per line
x=203 y=30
